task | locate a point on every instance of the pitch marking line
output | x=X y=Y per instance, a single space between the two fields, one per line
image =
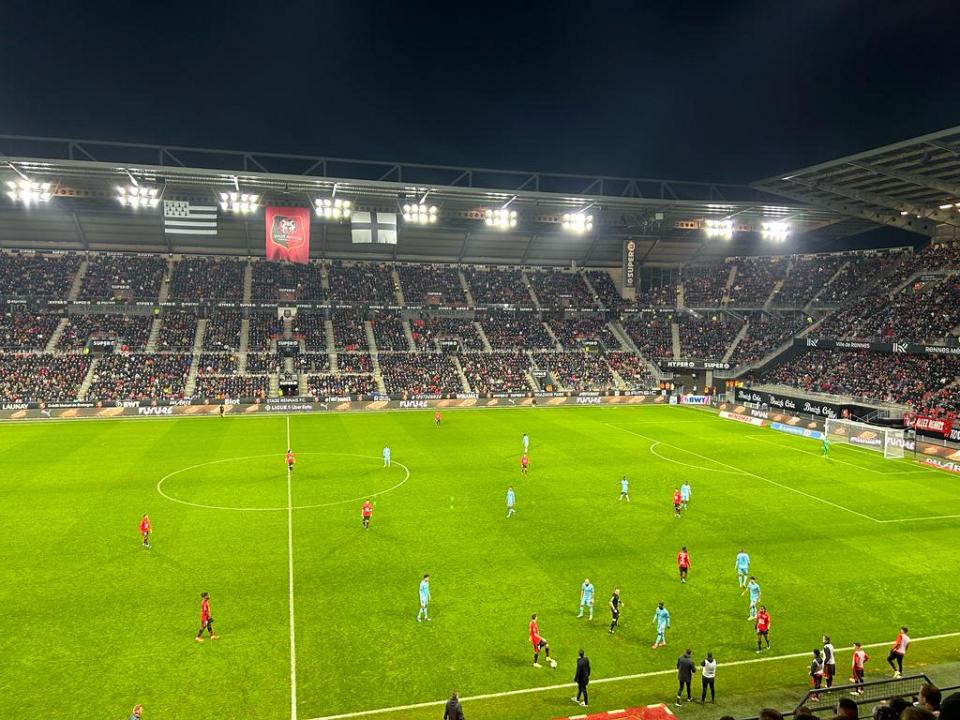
x=293 y=634
x=768 y=441
x=620 y=678
x=750 y=474
x=695 y=467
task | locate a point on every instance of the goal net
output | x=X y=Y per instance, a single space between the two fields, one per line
x=888 y=441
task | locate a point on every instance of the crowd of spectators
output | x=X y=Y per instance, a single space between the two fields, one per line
x=285 y=281
x=354 y=363
x=560 y=289
x=859 y=273
x=431 y=285
x=663 y=295
x=606 y=290
x=217 y=364
x=504 y=286
x=46 y=275
x=140 y=377
x=652 y=334
x=367 y=283
x=497 y=372
x=766 y=333
x=266 y=363
x=506 y=331
x=632 y=369
x=41 y=377
x=576 y=370
x=220 y=387
x=755 y=280
x=807 y=274
x=576 y=334
x=912 y=380
x=703 y=285
x=707 y=338
x=178 y=330
x=341 y=385
x=430 y=333
x=130 y=331
x=312 y=362
x=123 y=277
x=312 y=328
x=349 y=332
x=26 y=331
x=223 y=330
x=207 y=278
x=263 y=328
x=419 y=373
x=388 y=332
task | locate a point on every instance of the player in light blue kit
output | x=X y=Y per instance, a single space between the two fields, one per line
x=754 y=589
x=586 y=597
x=661 y=618
x=511 y=501
x=684 y=494
x=624 y=489
x=743 y=569
x=386 y=456
x=424 y=598
x=526 y=443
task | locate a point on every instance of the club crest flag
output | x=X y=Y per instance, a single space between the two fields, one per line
x=288 y=234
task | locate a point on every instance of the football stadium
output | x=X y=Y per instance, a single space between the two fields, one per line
x=311 y=437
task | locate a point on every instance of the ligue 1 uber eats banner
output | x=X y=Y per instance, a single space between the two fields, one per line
x=288 y=234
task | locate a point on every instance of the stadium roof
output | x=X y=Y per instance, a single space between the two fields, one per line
x=665 y=217
x=914 y=185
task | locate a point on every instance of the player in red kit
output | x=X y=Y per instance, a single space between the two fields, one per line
x=539 y=643
x=677 y=501
x=763 y=627
x=145 y=530
x=291 y=459
x=860 y=658
x=683 y=563
x=365 y=512
x=206 y=619
x=437 y=418
x=524 y=464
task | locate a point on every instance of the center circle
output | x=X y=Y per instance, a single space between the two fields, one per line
x=218 y=485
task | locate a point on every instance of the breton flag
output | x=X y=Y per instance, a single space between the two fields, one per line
x=377 y=227
x=184 y=218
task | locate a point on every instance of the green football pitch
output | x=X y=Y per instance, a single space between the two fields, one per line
x=317 y=617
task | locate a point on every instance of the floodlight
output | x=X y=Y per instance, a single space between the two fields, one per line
x=578 y=222
x=719 y=229
x=28 y=191
x=138 y=196
x=500 y=218
x=776 y=231
x=333 y=208
x=948 y=206
x=238 y=202
x=420 y=214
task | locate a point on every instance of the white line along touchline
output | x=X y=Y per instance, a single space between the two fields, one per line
x=293 y=634
x=620 y=678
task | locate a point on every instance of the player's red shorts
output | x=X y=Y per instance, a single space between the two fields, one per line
x=857 y=674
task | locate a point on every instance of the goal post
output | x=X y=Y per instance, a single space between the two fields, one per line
x=889 y=441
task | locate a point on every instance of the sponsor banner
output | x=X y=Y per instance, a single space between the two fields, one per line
x=694 y=399
x=740 y=417
x=940 y=464
x=937 y=427
x=787 y=402
x=879 y=347
x=288 y=234
x=694 y=365
x=795 y=430
x=629 y=264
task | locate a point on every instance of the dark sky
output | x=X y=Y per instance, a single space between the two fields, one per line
x=724 y=90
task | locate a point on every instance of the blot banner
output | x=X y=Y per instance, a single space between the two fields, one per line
x=288 y=234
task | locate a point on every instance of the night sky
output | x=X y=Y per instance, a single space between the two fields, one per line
x=724 y=91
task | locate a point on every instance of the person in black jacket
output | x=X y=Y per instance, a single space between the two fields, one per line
x=685 y=670
x=581 y=678
x=452 y=710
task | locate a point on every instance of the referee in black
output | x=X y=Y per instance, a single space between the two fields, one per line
x=452 y=710
x=615 y=605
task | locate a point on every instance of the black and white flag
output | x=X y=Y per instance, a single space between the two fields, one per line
x=375 y=227
x=181 y=217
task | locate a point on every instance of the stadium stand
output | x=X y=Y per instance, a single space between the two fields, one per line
x=223 y=330
x=264 y=327
x=46 y=275
x=576 y=370
x=429 y=333
x=657 y=296
x=203 y=278
x=367 y=283
x=41 y=377
x=388 y=332
x=506 y=331
x=354 y=363
x=349 y=332
x=766 y=332
x=311 y=327
x=217 y=364
x=291 y=282
x=703 y=285
x=26 y=331
x=431 y=285
x=219 y=387
x=123 y=277
x=130 y=331
x=140 y=377
x=707 y=337
x=498 y=286
x=178 y=330
x=497 y=372
x=806 y=275
x=606 y=290
x=266 y=363
x=560 y=289
x=420 y=373
x=313 y=363
x=651 y=333
x=755 y=280
x=631 y=368
x=341 y=385
x=575 y=334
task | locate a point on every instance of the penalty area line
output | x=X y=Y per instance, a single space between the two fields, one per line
x=619 y=678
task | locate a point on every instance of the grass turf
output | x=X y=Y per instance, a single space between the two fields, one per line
x=93 y=623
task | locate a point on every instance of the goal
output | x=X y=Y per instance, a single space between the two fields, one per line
x=888 y=441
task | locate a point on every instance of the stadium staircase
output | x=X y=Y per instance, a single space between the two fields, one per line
x=828 y=283
x=247 y=282
x=534 y=383
x=244 y=335
x=487 y=347
x=396 y=285
x=154 y=334
x=675 y=340
x=56 y=335
x=777 y=286
x=621 y=335
x=195 y=357
x=164 y=294
x=731 y=277
x=593 y=293
x=941 y=273
x=87 y=379
x=466 y=289
x=328 y=336
x=274 y=389
x=78 y=280
x=325 y=278
x=463 y=378
x=680 y=296
x=533 y=295
x=736 y=341
x=408 y=334
x=556 y=343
